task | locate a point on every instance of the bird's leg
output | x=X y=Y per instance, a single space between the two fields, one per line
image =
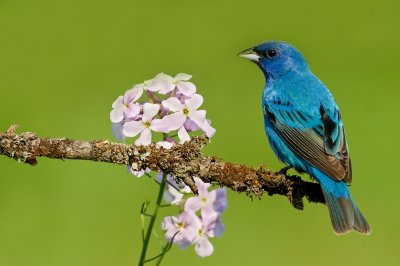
x=283 y=172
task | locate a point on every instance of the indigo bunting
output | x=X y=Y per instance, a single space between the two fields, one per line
x=305 y=129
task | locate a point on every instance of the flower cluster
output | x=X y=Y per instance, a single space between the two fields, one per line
x=170 y=105
x=200 y=218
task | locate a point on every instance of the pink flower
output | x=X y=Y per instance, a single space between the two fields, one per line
x=181 y=112
x=207 y=201
x=200 y=215
x=125 y=106
x=205 y=228
x=146 y=85
x=203 y=247
x=164 y=84
x=145 y=125
x=188 y=228
x=215 y=227
x=208 y=129
x=174 y=191
x=181 y=229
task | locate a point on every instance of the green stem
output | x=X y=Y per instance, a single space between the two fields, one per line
x=166 y=249
x=146 y=242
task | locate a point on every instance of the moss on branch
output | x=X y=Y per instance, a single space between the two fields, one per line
x=183 y=161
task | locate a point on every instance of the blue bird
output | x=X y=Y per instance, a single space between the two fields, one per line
x=305 y=129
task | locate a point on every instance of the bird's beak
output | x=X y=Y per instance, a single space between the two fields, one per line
x=250 y=54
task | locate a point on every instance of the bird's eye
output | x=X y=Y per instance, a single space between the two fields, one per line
x=271 y=53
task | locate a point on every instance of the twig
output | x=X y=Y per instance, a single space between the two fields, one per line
x=183 y=161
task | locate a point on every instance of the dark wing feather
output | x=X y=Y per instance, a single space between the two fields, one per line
x=323 y=145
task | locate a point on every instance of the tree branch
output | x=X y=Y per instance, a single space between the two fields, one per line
x=183 y=161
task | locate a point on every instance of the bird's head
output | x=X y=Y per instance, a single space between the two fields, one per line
x=276 y=58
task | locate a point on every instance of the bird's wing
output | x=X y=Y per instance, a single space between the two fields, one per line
x=317 y=138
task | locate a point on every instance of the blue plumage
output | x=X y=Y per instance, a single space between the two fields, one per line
x=305 y=129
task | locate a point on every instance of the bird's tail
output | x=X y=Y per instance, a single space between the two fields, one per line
x=344 y=212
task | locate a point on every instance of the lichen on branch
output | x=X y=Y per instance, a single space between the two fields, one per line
x=183 y=161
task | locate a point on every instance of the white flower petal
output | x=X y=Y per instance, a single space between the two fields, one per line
x=132 y=95
x=183 y=76
x=194 y=223
x=195 y=102
x=211 y=196
x=212 y=223
x=183 y=135
x=163 y=83
x=117 y=115
x=209 y=219
x=118 y=102
x=151 y=85
x=148 y=83
x=201 y=186
x=145 y=137
x=160 y=125
x=193 y=204
x=204 y=247
x=198 y=116
x=149 y=111
x=163 y=77
x=173 y=104
x=168 y=197
x=169 y=222
x=184 y=243
x=164 y=88
x=172 y=196
x=186 y=88
x=175 y=120
x=133 y=128
x=208 y=129
x=132 y=111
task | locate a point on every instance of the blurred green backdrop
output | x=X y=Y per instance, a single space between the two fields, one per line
x=63 y=63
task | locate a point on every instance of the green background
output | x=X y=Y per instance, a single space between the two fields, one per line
x=62 y=64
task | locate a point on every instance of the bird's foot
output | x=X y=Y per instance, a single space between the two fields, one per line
x=283 y=172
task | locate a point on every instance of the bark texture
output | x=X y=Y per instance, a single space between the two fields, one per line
x=183 y=161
